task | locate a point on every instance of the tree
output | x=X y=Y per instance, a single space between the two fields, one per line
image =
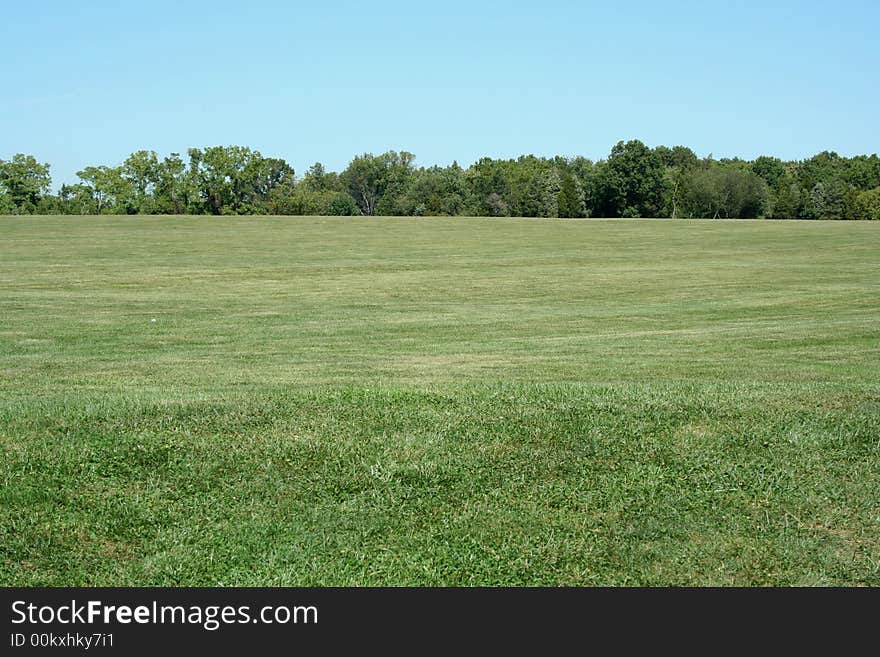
x=299 y=199
x=571 y=197
x=111 y=191
x=541 y=194
x=632 y=182
x=827 y=200
x=729 y=192
x=375 y=182
x=863 y=172
x=497 y=205
x=318 y=179
x=172 y=190
x=141 y=169
x=6 y=204
x=215 y=173
x=535 y=186
x=435 y=191
x=679 y=161
x=77 y=199
x=786 y=199
x=260 y=177
x=677 y=157
x=490 y=188
x=342 y=205
x=584 y=172
x=365 y=179
x=398 y=169
x=769 y=169
x=454 y=193
x=821 y=168
x=235 y=179
x=23 y=182
x=867 y=205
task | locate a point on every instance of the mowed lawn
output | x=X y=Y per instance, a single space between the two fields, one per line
x=438 y=401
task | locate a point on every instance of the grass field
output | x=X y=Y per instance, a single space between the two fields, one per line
x=352 y=401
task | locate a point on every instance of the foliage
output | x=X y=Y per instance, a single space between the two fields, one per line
x=867 y=205
x=375 y=182
x=634 y=181
x=23 y=182
x=571 y=200
x=726 y=192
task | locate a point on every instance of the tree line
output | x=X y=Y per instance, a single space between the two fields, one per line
x=633 y=181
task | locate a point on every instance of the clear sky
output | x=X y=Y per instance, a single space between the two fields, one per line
x=90 y=82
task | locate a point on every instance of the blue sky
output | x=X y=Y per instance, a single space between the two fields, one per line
x=90 y=82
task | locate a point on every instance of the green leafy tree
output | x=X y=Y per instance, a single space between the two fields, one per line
x=490 y=188
x=827 y=200
x=454 y=193
x=786 y=198
x=300 y=200
x=867 y=205
x=111 y=191
x=769 y=169
x=435 y=191
x=23 y=181
x=50 y=204
x=366 y=182
x=398 y=170
x=677 y=157
x=77 y=199
x=375 y=182
x=342 y=205
x=6 y=204
x=728 y=192
x=173 y=190
x=216 y=173
x=863 y=172
x=584 y=172
x=318 y=179
x=570 y=201
x=822 y=168
x=679 y=162
x=142 y=169
x=535 y=185
x=235 y=179
x=633 y=181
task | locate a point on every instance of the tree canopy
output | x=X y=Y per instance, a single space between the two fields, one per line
x=635 y=180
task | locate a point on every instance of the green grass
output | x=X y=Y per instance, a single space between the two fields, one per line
x=326 y=401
